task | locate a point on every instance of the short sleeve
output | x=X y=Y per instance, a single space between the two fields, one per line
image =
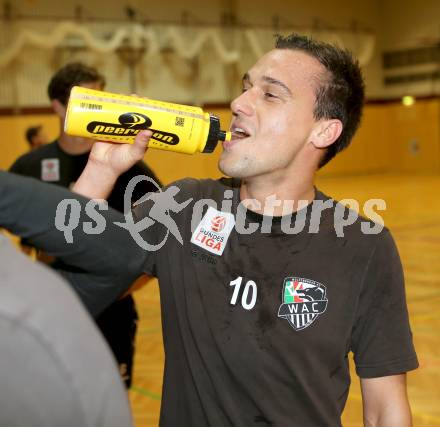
x=381 y=338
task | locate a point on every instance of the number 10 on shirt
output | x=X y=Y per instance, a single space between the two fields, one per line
x=248 y=295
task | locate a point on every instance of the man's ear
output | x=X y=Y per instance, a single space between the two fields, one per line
x=59 y=108
x=326 y=133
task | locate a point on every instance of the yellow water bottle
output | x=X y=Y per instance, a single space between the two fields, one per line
x=112 y=117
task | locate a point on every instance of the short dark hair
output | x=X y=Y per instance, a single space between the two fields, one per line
x=341 y=93
x=31 y=132
x=71 y=75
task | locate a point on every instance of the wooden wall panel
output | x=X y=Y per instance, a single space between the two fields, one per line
x=369 y=151
x=413 y=137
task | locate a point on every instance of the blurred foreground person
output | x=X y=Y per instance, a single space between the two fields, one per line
x=55 y=367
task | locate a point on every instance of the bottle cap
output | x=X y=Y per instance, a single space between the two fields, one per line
x=213 y=135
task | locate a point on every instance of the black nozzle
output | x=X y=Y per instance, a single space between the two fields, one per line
x=222 y=135
x=213 y=135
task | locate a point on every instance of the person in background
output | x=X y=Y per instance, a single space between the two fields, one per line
x=61 y=162
x=35 y=137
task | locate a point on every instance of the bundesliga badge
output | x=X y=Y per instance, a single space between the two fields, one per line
x=213 y=232
x=303 y=301
x=50 y=170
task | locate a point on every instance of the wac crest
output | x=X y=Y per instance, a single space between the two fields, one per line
x=303 y=300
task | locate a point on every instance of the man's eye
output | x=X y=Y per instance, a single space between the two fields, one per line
x=269 y=95
x=243 y=90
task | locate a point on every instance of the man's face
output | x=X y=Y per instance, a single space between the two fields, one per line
x=273 y=117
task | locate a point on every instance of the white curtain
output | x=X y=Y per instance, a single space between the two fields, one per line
x=185 y=42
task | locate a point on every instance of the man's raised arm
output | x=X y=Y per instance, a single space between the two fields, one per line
x=102 y=258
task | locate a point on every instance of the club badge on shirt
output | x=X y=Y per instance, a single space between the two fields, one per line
x=213 y=231
x=50 y=170
x=303 y=300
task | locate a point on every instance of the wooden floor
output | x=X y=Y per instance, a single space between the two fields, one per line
x=413 y=215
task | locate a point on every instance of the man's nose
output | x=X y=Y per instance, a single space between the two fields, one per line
x=243 y=104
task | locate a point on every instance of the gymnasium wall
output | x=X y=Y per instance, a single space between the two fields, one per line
x=406 y=25
x=395 y=24
x=392 y=138
x=164 y=74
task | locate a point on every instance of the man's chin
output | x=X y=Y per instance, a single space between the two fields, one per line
x=226 y=168
x=222 y=166
x=232 y=170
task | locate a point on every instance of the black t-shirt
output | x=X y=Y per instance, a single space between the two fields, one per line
x=50 y=163
x=257 y=327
